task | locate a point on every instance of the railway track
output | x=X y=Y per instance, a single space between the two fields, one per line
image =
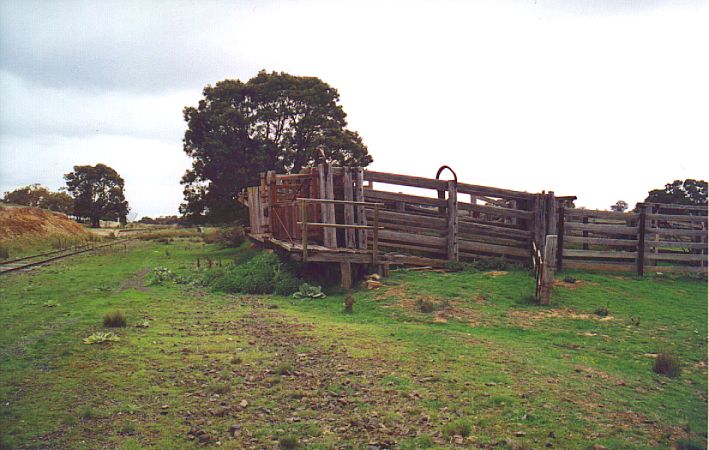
x=27 y=263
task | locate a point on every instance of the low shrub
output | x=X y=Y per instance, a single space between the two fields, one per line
x=218 y=388
x=114 y=319
x=602 y=311
x=457 y=428
x=228 y=237
x=283 y=369
x=162 y=275
x=497 y=263
x=285 y=283
x=454 y=266
x=287 y=443
x=101 y=337
x=425 y=306
x=688 y=444
x=234 y=236
x=263 y=273
x=309 y=291
x=668 y=364
x=256 y=276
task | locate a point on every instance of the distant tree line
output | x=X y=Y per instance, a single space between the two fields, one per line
x=687 y=192
x=162 y=220
x=92 y=194
x=39 y=196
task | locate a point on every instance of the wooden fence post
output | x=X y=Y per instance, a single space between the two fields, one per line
x=304 y=229
x=452 y=220
x=271 y=183
x=560 y=241
x=540 y=216
x=330 y=233
x=361 y=214
x=350 y=239
x=375 y=237
x=548 y=265
x=346 y=273
x=551 y=214
x=641 y=240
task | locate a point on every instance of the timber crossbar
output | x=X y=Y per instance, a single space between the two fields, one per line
x=656 y=236
x=304 y=224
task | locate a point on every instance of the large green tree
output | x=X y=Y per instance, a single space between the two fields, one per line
x=98 y=193
x=274 y=121
x=687 y=192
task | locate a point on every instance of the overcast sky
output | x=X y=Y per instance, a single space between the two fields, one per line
x=600 y=99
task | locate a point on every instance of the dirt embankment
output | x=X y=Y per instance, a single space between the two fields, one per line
x=23 y=226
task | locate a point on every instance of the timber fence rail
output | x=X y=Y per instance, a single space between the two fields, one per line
x=304 y=224
x=448 y=227
x=656 y=237
x=435 y=219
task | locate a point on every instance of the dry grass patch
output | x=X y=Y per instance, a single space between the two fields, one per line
x=524 y=318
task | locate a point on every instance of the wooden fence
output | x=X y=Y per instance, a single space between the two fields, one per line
x=444 y=225
x=656 y=237
x=434 y=220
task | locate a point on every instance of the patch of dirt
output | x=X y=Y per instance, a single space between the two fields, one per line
x=393 y=292
x=323 y=387
x=444 y=310
x=524 y=318
x=496 y=273
x=136 y=282
x=575 y=285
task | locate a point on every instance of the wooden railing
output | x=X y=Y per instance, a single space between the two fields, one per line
x=304 y=224
x=444 y=225
x=658 y=237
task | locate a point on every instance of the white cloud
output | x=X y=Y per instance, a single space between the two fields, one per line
x=586 y=98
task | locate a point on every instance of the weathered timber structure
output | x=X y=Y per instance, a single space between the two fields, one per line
x=353 y=215
x=343 y=215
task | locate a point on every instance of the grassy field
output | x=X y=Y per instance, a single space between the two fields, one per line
x=487 y=368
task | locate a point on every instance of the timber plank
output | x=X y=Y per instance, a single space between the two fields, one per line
x=603 y=266
x=396 y=197
x=473 y=189
x=599 y=254
x=435 y=223
x=475 y=237
x=675 y=232
x=678 y=218
x=601 y=241
x=496 y=210
x=404 y=180
x=676 y=257
x=398 y=246
x=675 y=244
x=575 y=212
x=598 y=228
x=491 y=248
x=386 y=235
x=469 y=227
x=694 y=269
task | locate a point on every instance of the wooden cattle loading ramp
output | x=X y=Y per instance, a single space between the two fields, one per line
x=352 y=215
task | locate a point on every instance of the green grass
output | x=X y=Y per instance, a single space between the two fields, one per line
x=485 y=368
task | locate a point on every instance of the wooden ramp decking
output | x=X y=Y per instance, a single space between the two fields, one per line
x=319 y=253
